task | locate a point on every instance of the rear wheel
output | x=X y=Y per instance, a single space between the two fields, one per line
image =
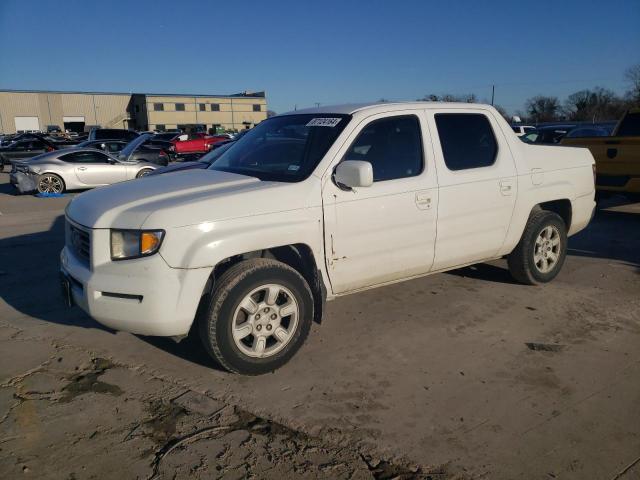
x=540 y=254
x=257 y=317
x=144 y=172
x=50 y=183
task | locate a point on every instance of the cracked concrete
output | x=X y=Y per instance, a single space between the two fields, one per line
x=455 y=392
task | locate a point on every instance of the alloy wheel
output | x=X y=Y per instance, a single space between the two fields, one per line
x=265 y=320
x=547 y=249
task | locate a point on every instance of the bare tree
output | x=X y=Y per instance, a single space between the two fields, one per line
x=632 y=76
x=542 y=108
x=594 y=105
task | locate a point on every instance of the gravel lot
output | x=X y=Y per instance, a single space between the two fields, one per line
x=454 y=376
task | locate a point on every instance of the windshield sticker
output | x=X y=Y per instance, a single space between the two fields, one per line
x=323 y=122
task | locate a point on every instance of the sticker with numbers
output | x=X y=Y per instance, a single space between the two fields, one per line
x=323 y=122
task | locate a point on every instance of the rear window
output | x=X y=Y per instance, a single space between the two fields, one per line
x=467 y=140
x=630 y=125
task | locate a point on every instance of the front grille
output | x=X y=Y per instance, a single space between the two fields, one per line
x=79 y=241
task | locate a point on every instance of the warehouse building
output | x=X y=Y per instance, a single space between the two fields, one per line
x=22 y=110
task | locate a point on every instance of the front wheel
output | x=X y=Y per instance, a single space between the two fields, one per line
x=50 y=183
x=541 y=252
x=257 y=317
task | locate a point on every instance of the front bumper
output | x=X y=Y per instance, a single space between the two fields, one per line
x=143 y=296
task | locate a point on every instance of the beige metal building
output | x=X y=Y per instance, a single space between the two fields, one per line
x=79 y=111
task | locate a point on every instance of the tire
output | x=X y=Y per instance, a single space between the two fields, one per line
x=50 y=183
x=144 y=172
x=223 y=311
x=538 y=259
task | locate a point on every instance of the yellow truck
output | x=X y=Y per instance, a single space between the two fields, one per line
x=617 y=157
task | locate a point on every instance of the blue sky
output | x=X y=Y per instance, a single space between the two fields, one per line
x=303 y=52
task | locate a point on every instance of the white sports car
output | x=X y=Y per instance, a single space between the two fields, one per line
x=76 y=168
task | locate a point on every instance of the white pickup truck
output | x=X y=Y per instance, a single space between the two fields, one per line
x=315 y=204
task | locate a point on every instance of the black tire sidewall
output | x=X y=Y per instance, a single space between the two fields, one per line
x=231 y=354
x=550 y=219
x=144 y=172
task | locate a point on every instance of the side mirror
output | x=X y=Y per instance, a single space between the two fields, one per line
x=354 y=173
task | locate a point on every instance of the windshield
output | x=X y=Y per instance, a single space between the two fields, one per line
x=133 y=145
x=283 y=149
x=213 y=155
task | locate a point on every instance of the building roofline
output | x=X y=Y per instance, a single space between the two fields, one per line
x=234 y=95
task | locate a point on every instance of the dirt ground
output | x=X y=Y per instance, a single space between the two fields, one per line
x=454 y=376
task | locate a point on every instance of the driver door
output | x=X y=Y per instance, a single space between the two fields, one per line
x=96 y=168
x=387 y=231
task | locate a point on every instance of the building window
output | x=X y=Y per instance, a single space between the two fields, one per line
x=160 y=127
x=256 y=107
x=158 y=107
x=179 y=107
x=203 y=107
x=215 y=107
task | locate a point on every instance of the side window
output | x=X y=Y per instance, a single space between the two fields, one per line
x=86 y=157
x=467 y=140
x=393 y=146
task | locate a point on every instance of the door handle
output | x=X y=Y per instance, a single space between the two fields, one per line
x=423 y=201
x=506 y=187
x=82 y=168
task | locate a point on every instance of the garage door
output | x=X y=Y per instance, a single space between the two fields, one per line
x=27 y=123
x=73 y=119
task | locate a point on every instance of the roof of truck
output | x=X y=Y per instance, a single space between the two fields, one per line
x=351 y=108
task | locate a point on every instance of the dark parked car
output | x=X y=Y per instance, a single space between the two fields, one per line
x=109 y=146
x=139 y=150
x=548 y=134
x=112 y=134
x=583 y=132
x=25 y=146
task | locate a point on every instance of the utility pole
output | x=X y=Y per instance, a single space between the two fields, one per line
x=493 y=93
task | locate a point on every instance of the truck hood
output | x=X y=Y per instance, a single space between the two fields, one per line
x=165 y=201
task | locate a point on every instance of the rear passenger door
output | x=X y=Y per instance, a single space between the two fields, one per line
x=477 y=185
x=384 y=232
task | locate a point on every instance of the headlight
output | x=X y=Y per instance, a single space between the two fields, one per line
x=135 y=243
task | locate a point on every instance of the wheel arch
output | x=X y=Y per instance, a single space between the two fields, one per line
x=561 y=206
x=65 y=182
x=298 y=256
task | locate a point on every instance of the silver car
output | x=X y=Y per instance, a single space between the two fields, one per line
x=77 y=168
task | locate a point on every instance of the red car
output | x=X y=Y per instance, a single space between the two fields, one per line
x=197 y=145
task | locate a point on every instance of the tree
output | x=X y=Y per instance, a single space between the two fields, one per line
x=543 y=109
x=632 y=76
x=594 y=105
